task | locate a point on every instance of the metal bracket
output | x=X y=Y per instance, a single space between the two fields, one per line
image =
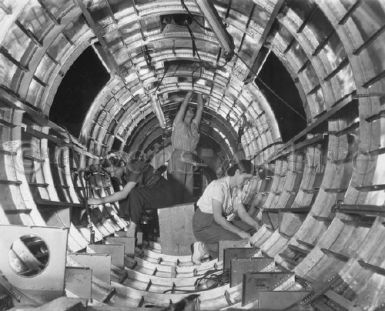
x=235 y=253
x=255 y=283
x=128 y=242
x=78 y=281
x=279 y=300
x=240 y=266
x=48 y=284
x=231 y=244
x=116 y=251
x=100 y=264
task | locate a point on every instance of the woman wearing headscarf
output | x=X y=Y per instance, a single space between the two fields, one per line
x=218 y=207
x=144 y=188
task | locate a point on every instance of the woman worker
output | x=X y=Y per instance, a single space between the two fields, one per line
x=144 y=188
x=184 y=140
x=217 y=207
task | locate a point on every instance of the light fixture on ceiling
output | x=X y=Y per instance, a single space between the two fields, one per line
x=211 y=15
x=155 y=104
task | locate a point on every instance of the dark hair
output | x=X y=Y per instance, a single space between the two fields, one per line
x=111 y=161
x=262 y=172
x=245 y=166
x=136 y=156
x=192 y=106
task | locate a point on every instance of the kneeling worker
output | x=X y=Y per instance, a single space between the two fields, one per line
x=217 y=207
x=144 y=189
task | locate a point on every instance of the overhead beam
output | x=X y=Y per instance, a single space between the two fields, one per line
x=155 y=101
x=359 y=209
x=104 y=51
x=12 y=101
x=111 y=61
x=323 y=118
x=212 y=17
x=259 y=56
x=157 y=108
x=318 y=138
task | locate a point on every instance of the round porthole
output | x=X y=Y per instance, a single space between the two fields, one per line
x=28 y=255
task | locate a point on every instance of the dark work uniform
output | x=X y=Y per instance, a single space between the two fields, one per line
x=151 y=192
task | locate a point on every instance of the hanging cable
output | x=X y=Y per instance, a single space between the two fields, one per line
x=193 y=17
x=87 y=193
x=207 y=282
x=194 y=47
x=88 y=209
x=196 y=51
x=281 y=99
x=164 y=151
x=161 y=80
x=274 y=93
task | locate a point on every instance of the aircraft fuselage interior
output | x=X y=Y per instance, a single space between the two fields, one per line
x=192 y=155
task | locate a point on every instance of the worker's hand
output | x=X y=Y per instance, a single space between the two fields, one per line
x=93 y=201
x=244 y=235
x=253 y=240
x=200 y=100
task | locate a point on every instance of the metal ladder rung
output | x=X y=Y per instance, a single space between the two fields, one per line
x=288 y=259
x=38 y=185
x=7 y=124
x=10 y=182
x=17 y=211
x=308 y=245
x=323 y=218
x=371 y=267
x=33 y=158
x=8 y=152
x=310 y=191
x=335 y=190
x=299 y=250
x=336 y=255
x=368 y=188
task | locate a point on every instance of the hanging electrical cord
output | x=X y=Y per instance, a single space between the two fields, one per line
x=87 y=192
x=207 y=66
x=208 y=281
x=281 y=99
x=196 y=51
x=274 y=93
x=161 y=80
x=164 y=151
x=194 y=46
x=193 y=17
x=211 y=280
x=88 y=209
x=184 y=291
x=195 y=70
